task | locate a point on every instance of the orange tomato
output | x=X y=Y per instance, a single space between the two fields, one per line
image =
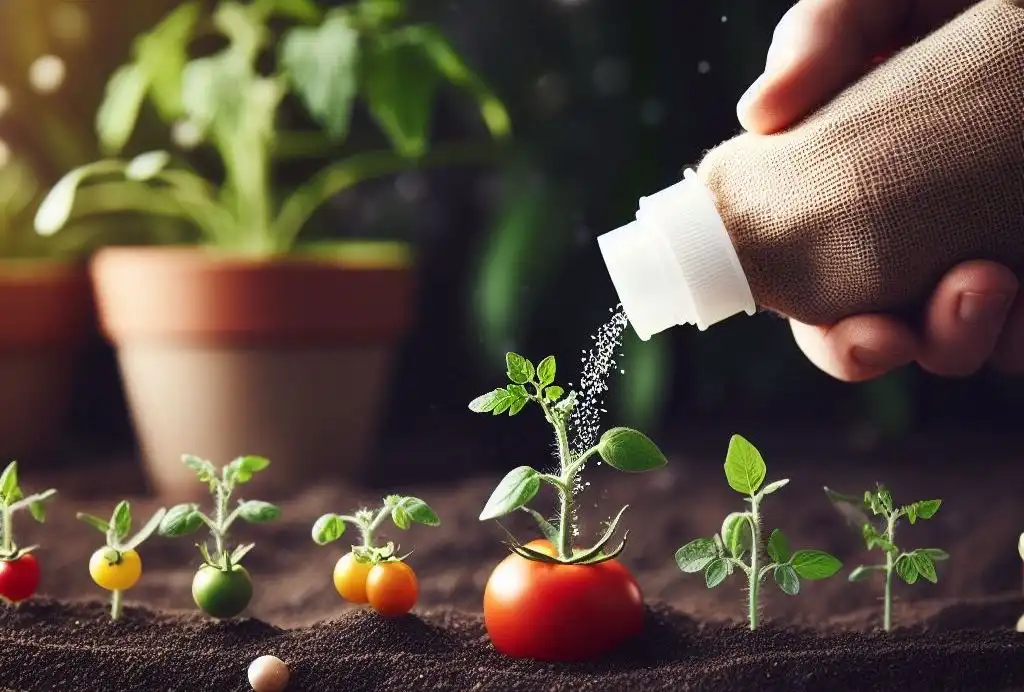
x=350 y=578
x=391 y=588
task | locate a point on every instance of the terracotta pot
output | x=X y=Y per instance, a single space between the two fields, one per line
x=45 y=317
x=221 y=356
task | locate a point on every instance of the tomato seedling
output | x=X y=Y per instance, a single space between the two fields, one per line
x=374 y=574
x=117 y=566
x=908 y=565
x=549 y=600
x=221 y=587
x=741 y=537
x=19 y=569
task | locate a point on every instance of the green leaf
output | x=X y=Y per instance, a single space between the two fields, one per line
x=924 y=566
x=519 y=370
x=815 y=564
x=628 y=450
x=205 y=552
x=744 y=468
x=787 y=579
x=736 y=534
x=119 y=111
x=516 y=489
x=302 y=10
x=400 y=517
x=37 y=510
x=121 y=519
x=258 y=512
x=245 y=31
x=716 y=572
x=873 y=539
x=778 y=547
x=322 y=65
x=180 y=520
x=162 y=54
x=420 y=512
x=907 y=570
x=146 y=166
x=862 y=572
x=936 y=554
x=774 y=486
x=328 y=529
x=546 y=371
x=241 y=551
x=553 y=393
x=204 y=469
x=95 y=522
x=400 y=88
x=548 y=529
x=9 y=482
x=146 y=531
x=241 y=470
x=926 y=509
x=486 y=403
x=696 y=555
x=519 y=398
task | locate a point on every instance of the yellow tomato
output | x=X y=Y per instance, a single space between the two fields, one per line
x=114 y=570
x=350 y=578
x=392 y=588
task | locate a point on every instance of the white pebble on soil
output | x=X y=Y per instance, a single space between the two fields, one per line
x=268 y=674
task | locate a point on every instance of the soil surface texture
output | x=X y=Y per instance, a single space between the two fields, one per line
x=955 y=635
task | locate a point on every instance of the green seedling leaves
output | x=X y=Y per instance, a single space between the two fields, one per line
x=400 y=517
x=181 y=520
x=328 y=529
x=553 y=393
x=936 y=554
x=925 y=509
x=546 y=371
x=9 y=483
x=907 y=570
x=242 y=469
x=257 y=511
x=420 y=512
x=787 y=579
x=147 y=166
x=519 y=369
x=99 y=524
x=122 y=100
x=873 y=539
x=744 y=468
x=625 y=449
x=517 y=488
x=778 y=548
x=37 y=510
x=547 y=529
x=774 y=486
x=696 y=555
x=736 y=534
x=924 y=565
x=302 y=10
x=322 y=65
x=205 y=470
x=121 y=519
x=511 y=399
x=815 y=564
x=716 y=572
x=241 y=551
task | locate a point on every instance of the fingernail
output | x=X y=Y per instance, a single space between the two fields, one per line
x=871 y=359
x=982 y=308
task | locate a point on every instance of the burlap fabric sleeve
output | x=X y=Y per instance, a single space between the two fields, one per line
x=918 y=166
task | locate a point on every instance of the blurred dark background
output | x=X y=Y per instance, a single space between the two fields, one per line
x=609 y=100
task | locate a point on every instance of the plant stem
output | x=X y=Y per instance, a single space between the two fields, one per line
x=220 y=509
x=889 y=565
x=115 y=604
x=366 y=530
x=753 y=577
x=5 y=529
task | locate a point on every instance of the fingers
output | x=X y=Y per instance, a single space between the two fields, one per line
x=857 y=348
x=822 y=46
x=965 y=318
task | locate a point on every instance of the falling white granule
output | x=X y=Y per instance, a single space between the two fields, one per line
x=703 y=67
x=598 y=362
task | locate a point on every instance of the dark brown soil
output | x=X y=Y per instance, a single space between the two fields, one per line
x=962 y=644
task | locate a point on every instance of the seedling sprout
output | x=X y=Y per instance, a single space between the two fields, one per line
x=117 y=567
x=19 y=571
x=908 y=565
x=222 y=587
x=623 y=449
x=741 y=536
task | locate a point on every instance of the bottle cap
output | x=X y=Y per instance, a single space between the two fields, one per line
x=676 y=264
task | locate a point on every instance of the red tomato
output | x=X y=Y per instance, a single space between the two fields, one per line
x=560 y=612
x=19 y=578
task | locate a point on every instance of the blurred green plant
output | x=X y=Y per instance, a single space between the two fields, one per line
x=326 y=60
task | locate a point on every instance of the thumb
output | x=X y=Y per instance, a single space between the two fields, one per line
x=819 y=47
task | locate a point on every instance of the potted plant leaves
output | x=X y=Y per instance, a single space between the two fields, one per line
x=253 y=340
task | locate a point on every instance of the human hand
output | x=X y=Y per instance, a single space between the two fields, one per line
x=974 y=315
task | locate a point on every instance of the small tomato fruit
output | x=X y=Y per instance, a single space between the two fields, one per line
x=115 y=571
x=19 y=578
x=391 y=588
x=560 y=612
x=222 y=594
x=350 y=578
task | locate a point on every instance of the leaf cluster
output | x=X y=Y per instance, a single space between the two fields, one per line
x=323 y=59
x=404 y=511
x=12 y=500
x=118 y=528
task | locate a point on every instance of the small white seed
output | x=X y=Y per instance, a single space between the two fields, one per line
x=1020 y=624
x=268 y=674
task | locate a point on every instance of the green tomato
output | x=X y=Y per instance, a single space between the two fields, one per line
x=222 y=594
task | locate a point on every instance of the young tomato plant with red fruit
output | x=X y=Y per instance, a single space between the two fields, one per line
x=19 y=569
x=551 y=600
x=117 y=566
x=739 y=545
x=375 y=574
x=221 y=587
